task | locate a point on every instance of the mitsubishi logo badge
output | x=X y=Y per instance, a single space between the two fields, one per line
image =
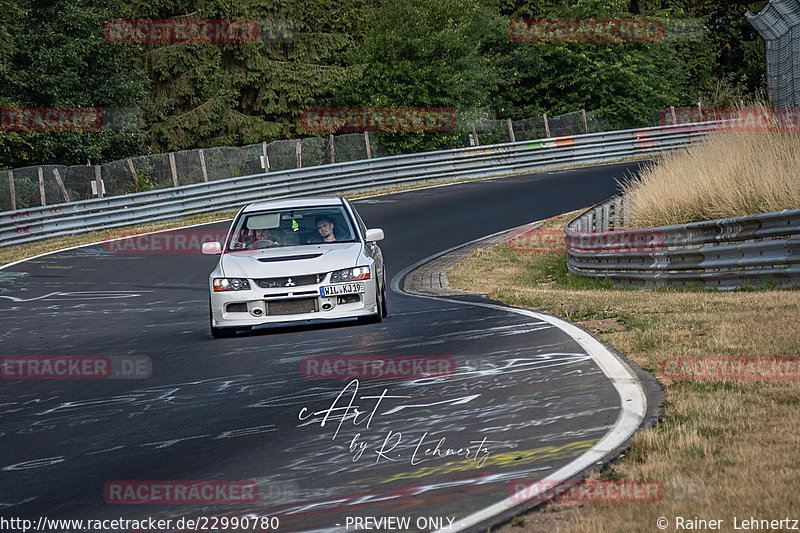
x=290 y=283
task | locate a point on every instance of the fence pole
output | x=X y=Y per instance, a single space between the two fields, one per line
x=475 y=135
x=366 y=143
x=585 y=125
x=674 y=116
x=203 y=165
x=11 y=190
x=266 y=157
x=41 y=185
x=60 y=183
x=98 y=181
x=511 y=131
x=333 y=156
x=173 y=169
x=298 y=152
x=133 y=171
x=546 y=125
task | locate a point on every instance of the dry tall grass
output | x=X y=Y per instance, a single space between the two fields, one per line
x=727 y=174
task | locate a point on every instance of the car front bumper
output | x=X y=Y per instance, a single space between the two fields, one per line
x=257 y=306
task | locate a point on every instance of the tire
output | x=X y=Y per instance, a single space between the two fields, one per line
x=219 y=333
x=384 y=307
x=222 y=333
x=378 y=316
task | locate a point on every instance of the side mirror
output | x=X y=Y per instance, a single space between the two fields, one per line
x=212 y=248
x=374 y=235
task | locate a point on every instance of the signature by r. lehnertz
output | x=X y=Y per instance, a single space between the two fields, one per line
x=422 y=448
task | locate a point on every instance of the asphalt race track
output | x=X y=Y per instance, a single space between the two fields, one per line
x=524 y=399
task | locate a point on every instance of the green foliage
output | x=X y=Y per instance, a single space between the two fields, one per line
x=420 y=53
x=142 y=183
x=53 y=54
x=232 y=94
x=360 y=53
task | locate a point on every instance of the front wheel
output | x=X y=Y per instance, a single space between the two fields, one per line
x=384 y=308
x=218 y=333
x=222 y=333
x=378 y=316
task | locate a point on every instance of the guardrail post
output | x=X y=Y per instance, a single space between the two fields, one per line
x=333 y=157
x=298 y=153
x=511 y=131
x=41 y=185
x=11 y=190
x=546 y=125
x=585 y=125
x=624 y=211
x=674 y=116
x=366 y=142
x=203 y=164
x=60 y=183
x=618 y=213
x=173 y=169
x=98 y=181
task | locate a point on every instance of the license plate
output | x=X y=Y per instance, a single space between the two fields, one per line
x=346 y=288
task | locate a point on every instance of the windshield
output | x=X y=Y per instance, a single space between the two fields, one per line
x=291 y=227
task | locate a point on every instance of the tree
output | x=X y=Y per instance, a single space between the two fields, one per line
x=424 y=53
x=53 y=54
x=240 y=93
x=629 y=83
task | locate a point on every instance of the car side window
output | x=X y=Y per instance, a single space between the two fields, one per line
x=361 y=226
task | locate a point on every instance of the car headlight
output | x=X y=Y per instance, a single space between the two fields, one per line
x=231 y=284
x=350 y=274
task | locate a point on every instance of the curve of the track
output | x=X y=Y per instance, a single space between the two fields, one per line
x=525 y=400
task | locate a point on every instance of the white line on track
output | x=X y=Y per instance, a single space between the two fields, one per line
x=633 y=401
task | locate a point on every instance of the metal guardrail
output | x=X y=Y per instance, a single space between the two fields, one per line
x=28 y=225
x=728 y=253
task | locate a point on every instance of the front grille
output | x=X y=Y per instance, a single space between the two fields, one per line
x=290 y=281
x=239 y=307
x=292 y=307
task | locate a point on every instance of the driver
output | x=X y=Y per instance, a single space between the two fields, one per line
x=263 y=238
x=325 y=228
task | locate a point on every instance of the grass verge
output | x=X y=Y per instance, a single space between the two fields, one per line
x=724 y=449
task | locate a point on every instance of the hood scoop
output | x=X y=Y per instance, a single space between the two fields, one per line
x=288 y=258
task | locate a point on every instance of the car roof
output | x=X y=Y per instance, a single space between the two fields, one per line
x=292 y=203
